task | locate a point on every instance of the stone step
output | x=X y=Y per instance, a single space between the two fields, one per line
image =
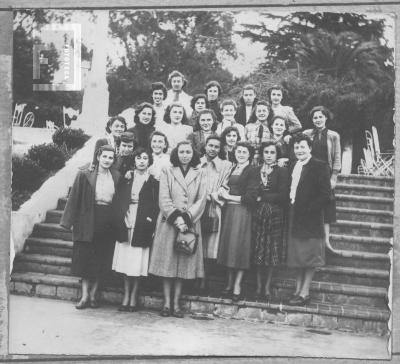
x=348 y=258
x=366 y=180
x=48 y=246
x=51 y=230
x=365 y=215
x=364 y=190
x=48 y=264
x=61 y=203
x=359 y=228
x=53 y=216
x=317 y=313
x=360 y=243
x=364 y=202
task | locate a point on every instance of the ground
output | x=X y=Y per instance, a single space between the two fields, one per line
x=44 y=326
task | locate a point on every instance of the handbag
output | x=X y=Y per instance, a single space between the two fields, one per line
x=210 y=220
x=186 y=243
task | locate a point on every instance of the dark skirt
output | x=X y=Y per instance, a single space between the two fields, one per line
x=93 y=260
x=269 y=235
x=304 y=253
x=330 y=209
x=235 y=244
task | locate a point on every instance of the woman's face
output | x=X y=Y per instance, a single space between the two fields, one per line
x=126 y=148
x=262 y=112
x=302 y=150
x=278 y=127
x=117 y=128
x=185 y=154
x=270 y=154
x=177 y=83
x=142 y=161
x=145 y=115
x=242 y=154
x=206 y=121
x=319 y=120
x=212 y=93
x=158 y=144
x=176 y=114
x=228 y=112
x=158 y=97
x=276 y=97
x=106 y=159
x=200 y=104
x=231 y=138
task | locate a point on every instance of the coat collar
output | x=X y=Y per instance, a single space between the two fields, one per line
x=216 y=162
x=188 y=179
x=92 y=176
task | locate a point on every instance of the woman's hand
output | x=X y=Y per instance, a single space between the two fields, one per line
x=283 y=162
x=225 y=194
x=287 y=138
x=128 y=174
x=333 y=182
x=180 y=224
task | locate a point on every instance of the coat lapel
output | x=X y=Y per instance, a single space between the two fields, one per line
x=306 y=169
x=179 y=177
x=191 y=175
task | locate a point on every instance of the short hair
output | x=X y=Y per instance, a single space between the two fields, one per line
x=157 y=132
x=277 y=87
x=227 y=130
x=195 y=161
x=197 y=97
x=266 y=144
x=167 y=117
x=127 y=137
x=140 y=108
x=324 y=110
x=213 y=137
x=253 y=117
x=298 y=137
x=249 y=147
x=104 y=148
x=249 y=86
x=214 y=117
x=159 y=86
x=228 y=102
x=276 y=117
x=176 y=73
x=112 y=120
x=139 y=151
x=213 y=84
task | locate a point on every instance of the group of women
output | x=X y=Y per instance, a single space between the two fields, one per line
x=261 y=195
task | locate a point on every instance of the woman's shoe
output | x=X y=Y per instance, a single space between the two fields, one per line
x=94 y=303
x=237 y=297
x=178 y=313
x=258 y=296
x=133 y=308
x=123 y=308
x=165 y=312
x=299 y=301
x=82 y=304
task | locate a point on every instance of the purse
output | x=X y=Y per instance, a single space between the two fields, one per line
x=210 y=220
x=186 y=243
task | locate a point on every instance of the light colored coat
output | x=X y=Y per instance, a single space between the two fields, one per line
x=186 y=194
x=216 y=173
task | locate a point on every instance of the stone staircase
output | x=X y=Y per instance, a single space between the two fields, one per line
x=350 y=292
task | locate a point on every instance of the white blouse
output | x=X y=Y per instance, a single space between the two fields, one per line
x=296 y=178
x=105 y=188
x=160 y=161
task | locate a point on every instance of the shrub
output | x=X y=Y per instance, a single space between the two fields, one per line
x=48 y=156
x=27 y=174
x=70 y=138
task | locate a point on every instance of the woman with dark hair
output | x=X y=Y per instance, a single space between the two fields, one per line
x=326 y=147
x=145 y=117
x=234 y=250
x=268 y=219
x=158 y=95
x=257 y=129
x=199 y=102
x=136 y=214
x=213 y=91
x=309 y=194
x=159 y=146
x=115 y=126
x=206 y=124
x=229 y=138
x=276 y=95
x=175 y=125
x=177 y=81
x=279 y=127
x=182 y=201
x=89 y=212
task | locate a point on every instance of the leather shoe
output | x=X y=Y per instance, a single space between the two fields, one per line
x=123 y=308
x=165 y=312
x=82 y=304
x=94 y=303
x=236 y=297
x=178 y=313
x=299 y=301
x=133 y=308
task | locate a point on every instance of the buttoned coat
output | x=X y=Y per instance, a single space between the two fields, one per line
x=79 y=210
x=178 y=194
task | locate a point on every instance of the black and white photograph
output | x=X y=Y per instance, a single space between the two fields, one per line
x=202 y=183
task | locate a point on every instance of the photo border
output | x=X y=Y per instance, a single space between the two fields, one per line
x=6 y=36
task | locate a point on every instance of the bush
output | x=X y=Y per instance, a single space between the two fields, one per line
x=27 y=174
x=48 y=156
x=70 y=138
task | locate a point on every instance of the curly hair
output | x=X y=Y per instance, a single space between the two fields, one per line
x=277 y=87
x=167 y=116
x=280 y=117
x=139 y=151
x=253 y=117
x=213 y=84
x=324 y=110
x=197 y=97
x=157 y=132
x=159 y=86
x=176 y=73
x=268 y=144
x=112 y=120
x=214 y=117
x=297 y=138
x=140 y=108
x=228 y=102
x=174 y=158
x=249 y=147
x=104 y=148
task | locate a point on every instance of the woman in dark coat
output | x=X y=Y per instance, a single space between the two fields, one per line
x=145 y=118
x=309 y=194
x=213 y=91
x=234 y=250
x=268 y=230
x=136 y=214
x=89 y=211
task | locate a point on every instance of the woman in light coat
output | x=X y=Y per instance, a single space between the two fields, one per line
x=182 y=199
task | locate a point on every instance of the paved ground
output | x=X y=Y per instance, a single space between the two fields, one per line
x=44 y=326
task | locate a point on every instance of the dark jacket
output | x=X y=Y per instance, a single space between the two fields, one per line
x=240 y=115
x=79 y=210
x=278 y=191
x=214 y=105
x=142 y=134
x=248 y=186
x=146 y=214
x=313 y=193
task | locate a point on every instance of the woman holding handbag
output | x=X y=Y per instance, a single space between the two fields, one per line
x=182 y=200
x=136 y=214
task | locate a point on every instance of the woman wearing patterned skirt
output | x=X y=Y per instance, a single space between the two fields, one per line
x=268 y=228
